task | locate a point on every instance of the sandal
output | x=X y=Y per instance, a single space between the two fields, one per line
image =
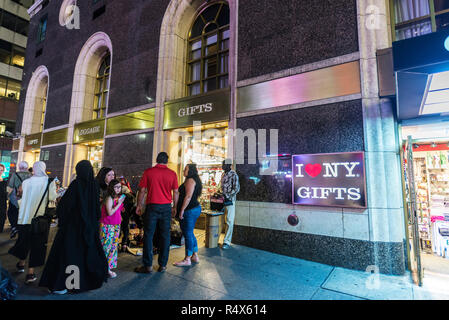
x=183 y=263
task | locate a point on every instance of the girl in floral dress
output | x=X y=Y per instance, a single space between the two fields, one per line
x=110 y=223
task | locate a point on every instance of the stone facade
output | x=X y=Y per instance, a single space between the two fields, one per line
x=270 y=40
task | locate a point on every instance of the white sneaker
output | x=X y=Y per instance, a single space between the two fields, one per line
x=60 y=291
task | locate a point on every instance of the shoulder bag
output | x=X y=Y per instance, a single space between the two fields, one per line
x=40 y=224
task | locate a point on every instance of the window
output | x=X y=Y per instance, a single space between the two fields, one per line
x=42 y=31
x=44 y=107
x=11 y=54
x=208 y=55
x=18 y=57
x=13 y=89
x=13 y=22
x=102 y=88
x=414 y=18
x=9 y=88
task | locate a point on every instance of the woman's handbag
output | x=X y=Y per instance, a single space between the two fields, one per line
x=41 y=224
x=216 y=202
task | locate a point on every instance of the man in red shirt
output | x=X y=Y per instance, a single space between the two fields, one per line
x=157 y=184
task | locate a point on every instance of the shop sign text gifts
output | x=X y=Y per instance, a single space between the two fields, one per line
x=333 y=179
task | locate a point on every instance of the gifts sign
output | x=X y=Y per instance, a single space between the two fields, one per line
x=332 y=180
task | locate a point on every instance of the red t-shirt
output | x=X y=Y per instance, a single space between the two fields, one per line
x=160 y=181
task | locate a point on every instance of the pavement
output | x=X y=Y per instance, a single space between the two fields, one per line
x=239 y=273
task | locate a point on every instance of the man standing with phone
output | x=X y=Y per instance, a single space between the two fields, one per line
x=157 y=185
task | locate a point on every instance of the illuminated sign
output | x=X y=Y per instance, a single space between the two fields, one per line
x=334 y=179
x=89 y=131
x=207 y=107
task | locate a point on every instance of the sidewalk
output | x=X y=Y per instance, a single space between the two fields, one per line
x=240 y=273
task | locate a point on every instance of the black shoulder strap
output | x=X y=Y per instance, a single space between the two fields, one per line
x=43 y=196
x=21 y=180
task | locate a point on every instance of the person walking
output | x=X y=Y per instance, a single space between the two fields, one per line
x=77 y=243
x=104 y=176
x=110 y=221
x=37 y=192
x=14 y=190
x=188 y=210
x=3 y=198
x=230 y=187
x=157 y=184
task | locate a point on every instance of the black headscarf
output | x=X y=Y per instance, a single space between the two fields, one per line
x=88 y=194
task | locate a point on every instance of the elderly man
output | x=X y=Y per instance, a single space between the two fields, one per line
x=14 y=193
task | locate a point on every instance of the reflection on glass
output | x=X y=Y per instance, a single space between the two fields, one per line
x=441 y=5
x=442 y=21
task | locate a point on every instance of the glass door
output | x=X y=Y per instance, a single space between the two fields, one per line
x=411 y=211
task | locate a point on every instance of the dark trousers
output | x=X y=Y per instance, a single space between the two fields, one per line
x=13 y=215
x=156 y=216
x=2 y=218
x=33 y=244
x=124 y=228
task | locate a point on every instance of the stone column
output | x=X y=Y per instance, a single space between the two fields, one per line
x=383 y=170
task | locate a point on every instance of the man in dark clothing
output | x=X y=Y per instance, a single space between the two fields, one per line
x=13 y=189
x=157 y=185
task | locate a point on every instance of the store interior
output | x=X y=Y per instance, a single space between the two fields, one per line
x=92 y=151
x=431 y=169
x=207 y=147
x=207 y=150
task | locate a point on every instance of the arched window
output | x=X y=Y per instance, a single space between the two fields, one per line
x=208 y=54
x=44 y=107
x=102 y=88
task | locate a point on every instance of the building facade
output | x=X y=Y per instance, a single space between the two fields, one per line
x=117 y=81
x=14 y=21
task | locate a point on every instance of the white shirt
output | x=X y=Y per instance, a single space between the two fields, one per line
x=33 y=190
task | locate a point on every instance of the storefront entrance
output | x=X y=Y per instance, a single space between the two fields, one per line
x=425 y=163
x=206 y=146
x=92 y=151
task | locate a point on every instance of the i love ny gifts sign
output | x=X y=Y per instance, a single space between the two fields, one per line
x=332 y=179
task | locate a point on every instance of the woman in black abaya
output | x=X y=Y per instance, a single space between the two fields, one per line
x=77 y=243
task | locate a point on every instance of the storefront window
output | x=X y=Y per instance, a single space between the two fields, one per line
x=209 y=50
x=102 y=89
x=206 y=147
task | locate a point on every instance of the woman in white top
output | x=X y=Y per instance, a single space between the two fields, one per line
x=29 y=243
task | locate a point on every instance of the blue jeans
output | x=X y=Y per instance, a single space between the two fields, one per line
x=187 y=226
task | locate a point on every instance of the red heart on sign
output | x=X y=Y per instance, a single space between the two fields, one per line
x=313 y=169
